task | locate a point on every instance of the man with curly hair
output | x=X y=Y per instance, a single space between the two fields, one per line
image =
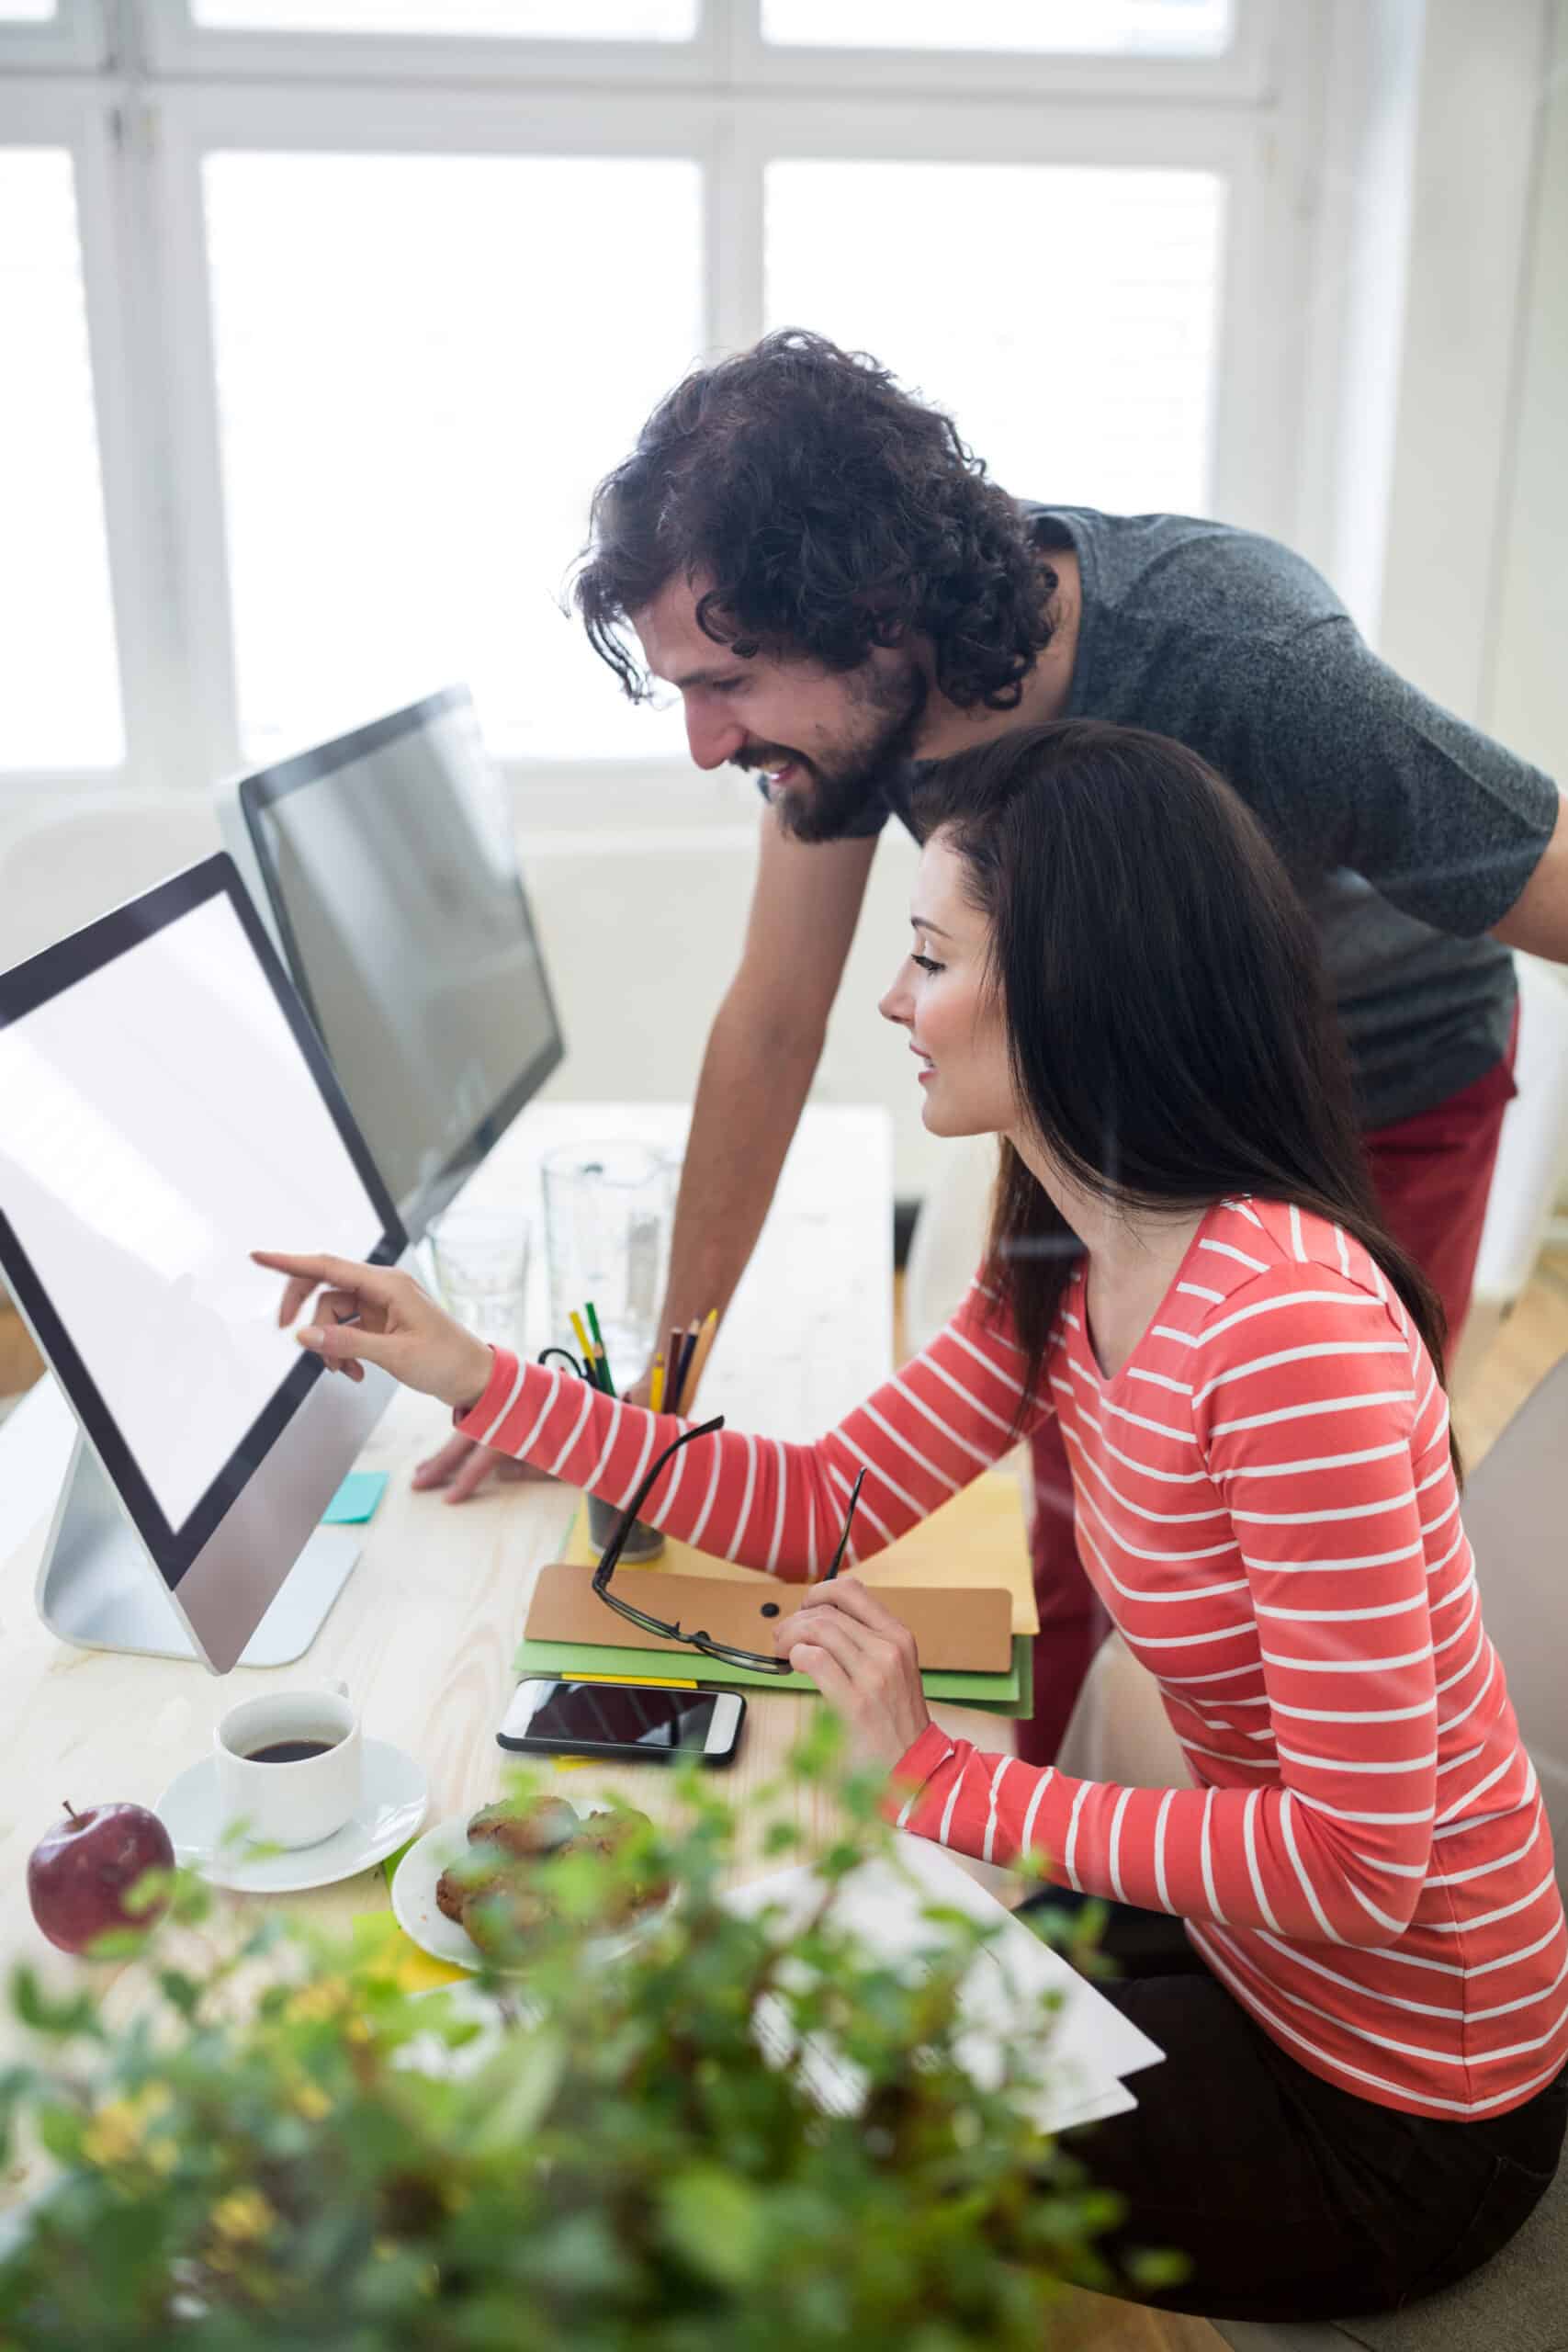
x=821 y=569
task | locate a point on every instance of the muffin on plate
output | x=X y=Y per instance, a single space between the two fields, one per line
x=527 y=1832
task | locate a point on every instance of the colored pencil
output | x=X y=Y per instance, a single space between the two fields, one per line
x=673 y=1371
x=592 y=1312
x=655 y=1394
x=601 y=1372
x=584 y=1343
x=688 y=1350
x=704 y=1343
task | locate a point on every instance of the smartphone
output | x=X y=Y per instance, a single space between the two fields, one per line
x=632 y=1723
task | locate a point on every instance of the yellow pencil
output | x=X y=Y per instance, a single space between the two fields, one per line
x=656 y=1393
x=700 y=1356
x=583 y=1344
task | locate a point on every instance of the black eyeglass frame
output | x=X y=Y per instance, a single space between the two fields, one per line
x=702 y=1642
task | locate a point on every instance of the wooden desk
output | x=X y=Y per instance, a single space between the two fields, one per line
x=424 y=1632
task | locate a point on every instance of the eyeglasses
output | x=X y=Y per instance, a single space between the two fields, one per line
x=755 y=1659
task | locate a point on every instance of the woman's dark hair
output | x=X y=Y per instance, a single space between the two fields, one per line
x=1170 y=1034
x=829 y=513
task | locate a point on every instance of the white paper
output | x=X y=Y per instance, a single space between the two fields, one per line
x=1088 y=2045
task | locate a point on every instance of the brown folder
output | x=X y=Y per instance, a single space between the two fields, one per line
x=966 y=1631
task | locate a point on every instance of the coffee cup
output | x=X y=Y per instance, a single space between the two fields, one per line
x=290 y=1767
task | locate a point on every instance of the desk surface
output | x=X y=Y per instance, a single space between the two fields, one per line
x=425 y=1631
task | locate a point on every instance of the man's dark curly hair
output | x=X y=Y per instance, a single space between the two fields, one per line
x=830 y=513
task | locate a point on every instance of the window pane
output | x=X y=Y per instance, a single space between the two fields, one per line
x=534 y=20
x=1118 y=28
x=26 y=12
x=425 y=363
x=60 y=704
x=1079 y=358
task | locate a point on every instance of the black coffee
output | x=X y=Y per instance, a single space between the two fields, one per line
x=288 y=1751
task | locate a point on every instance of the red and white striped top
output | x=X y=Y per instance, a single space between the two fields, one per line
x=1264 y=1502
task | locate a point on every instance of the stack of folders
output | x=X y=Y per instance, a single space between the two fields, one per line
x=976 y=1545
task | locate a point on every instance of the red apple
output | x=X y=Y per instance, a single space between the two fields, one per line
x=81 y=1870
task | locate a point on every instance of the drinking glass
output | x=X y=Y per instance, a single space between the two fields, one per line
x=608 y=1212
x=481 y=1269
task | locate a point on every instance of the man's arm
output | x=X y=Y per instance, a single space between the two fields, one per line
x=1538 y=920
x=763 y=1053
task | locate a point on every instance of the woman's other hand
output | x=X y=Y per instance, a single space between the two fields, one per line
x=375 y=1315
x=865 y=1662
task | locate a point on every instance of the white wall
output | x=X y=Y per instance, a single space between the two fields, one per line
x=1525 y=688
x=1483 y=71
x=671 y=901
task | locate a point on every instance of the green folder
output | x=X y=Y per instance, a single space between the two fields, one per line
x=1002 y=1694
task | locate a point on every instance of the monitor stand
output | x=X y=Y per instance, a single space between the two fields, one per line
x=98 y=1588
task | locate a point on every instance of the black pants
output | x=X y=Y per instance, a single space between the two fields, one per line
x=1291 y=2199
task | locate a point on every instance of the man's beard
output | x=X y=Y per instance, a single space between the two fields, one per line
x=842 y=786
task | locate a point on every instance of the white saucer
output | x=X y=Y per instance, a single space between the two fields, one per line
x=392 y=1807
x=417 y=1913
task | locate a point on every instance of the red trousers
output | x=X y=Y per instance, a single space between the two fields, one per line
x=1432 y=1175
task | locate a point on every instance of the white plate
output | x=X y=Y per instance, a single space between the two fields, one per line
x=418 y=1915
x=396 y=1794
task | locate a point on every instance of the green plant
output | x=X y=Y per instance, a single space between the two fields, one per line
x=255 y=2162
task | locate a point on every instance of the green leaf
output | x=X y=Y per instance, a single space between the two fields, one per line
x=715 y=2223
x=151 y=1892
x=59 y=2129
x=63 y=2019
x=117 y=1943
x=182 y=1992
x=512 y=2091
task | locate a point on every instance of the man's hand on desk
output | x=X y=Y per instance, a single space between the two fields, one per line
x=462 y=1467
x=864 y=1663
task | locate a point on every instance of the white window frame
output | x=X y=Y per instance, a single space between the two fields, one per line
x=1239 y=74
x=159 y=96
x=74 y=39
x=178 y=48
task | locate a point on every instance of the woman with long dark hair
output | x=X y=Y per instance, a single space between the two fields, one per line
x=1344 y=1930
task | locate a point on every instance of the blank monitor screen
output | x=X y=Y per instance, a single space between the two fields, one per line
x=166 y=1112
x=387 y=860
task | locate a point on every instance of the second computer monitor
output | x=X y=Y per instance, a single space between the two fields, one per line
x=384 y=862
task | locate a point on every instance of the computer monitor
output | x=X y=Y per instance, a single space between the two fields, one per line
x=168 y=1109
x=385 y=862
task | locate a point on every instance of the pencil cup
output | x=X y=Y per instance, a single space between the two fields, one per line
x=643 y=1543
x=608 y=1211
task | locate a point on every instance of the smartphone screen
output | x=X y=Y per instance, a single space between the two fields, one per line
x=597 y=1714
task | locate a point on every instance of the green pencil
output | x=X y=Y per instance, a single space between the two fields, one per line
x=599 y=1354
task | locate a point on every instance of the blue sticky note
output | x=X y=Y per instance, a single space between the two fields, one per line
x=355 y=1499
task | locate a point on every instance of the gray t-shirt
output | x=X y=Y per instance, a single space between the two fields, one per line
x=1408 y=833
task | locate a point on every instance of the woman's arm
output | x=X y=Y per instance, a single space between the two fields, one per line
x=921 y=1437
x=1324 y=1428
